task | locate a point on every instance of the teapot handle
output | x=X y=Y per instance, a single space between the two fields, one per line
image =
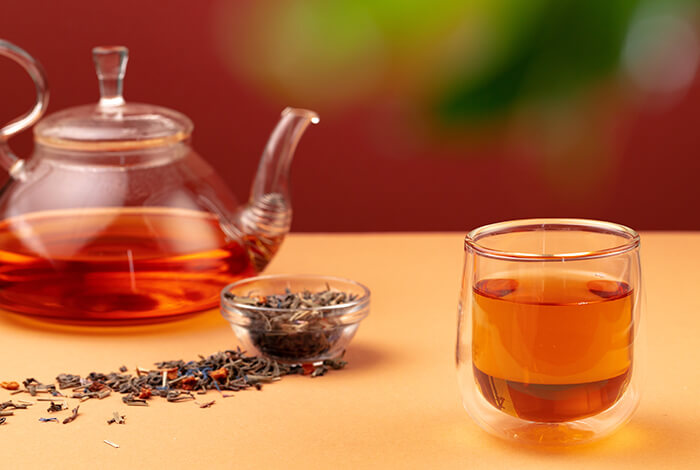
x=8 y=160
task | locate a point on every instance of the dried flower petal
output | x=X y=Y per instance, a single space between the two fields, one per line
x=9 y=385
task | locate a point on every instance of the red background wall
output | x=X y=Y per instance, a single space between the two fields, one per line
x=346 y=176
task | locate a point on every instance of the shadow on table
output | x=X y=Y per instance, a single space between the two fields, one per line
x=204 y=321
x=362 y=356
x=657 y=440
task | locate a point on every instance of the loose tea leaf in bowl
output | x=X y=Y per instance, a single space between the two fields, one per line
x=295 y=319
x=293 y=325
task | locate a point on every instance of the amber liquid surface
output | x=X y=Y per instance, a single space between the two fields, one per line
x=116 y=265
x=553 y=348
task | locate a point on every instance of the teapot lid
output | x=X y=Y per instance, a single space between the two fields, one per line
x=112 y=124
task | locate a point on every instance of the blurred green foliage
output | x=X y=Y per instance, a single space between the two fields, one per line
x=561 y=46
x=456 y=63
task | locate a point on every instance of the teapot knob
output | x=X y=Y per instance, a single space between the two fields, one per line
x=8 y=160
x=110 y=64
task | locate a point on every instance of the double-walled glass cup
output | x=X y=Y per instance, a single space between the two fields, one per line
x=548 y=331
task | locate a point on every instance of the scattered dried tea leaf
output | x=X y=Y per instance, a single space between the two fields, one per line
x=72 y=416
x=55 y=407
x=117 y=418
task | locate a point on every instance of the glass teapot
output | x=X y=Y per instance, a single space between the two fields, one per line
x=116 y=219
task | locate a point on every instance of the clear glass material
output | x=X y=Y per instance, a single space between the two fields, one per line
x=112 y=123
x=326 y=340
x=549 y=327
x=9 y=160
x=116 y=219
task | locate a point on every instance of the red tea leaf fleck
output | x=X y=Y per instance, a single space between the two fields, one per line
x=9 y=385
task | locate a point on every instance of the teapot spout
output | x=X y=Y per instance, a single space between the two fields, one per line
x=267 y=217
x=273 y=172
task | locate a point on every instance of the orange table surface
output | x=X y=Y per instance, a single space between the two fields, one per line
x=396 y=405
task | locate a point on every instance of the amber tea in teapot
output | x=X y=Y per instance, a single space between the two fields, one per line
x=115 y=218
x=123 y=271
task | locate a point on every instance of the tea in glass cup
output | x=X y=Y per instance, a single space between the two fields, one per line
x=548 y=323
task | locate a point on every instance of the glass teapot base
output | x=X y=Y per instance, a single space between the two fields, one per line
x=90 y=323
x=107 y=306
x=116 y=265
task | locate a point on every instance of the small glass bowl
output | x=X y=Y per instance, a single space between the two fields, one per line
x=299 y=341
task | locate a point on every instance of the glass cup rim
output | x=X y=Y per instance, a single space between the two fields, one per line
x=471 y=240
